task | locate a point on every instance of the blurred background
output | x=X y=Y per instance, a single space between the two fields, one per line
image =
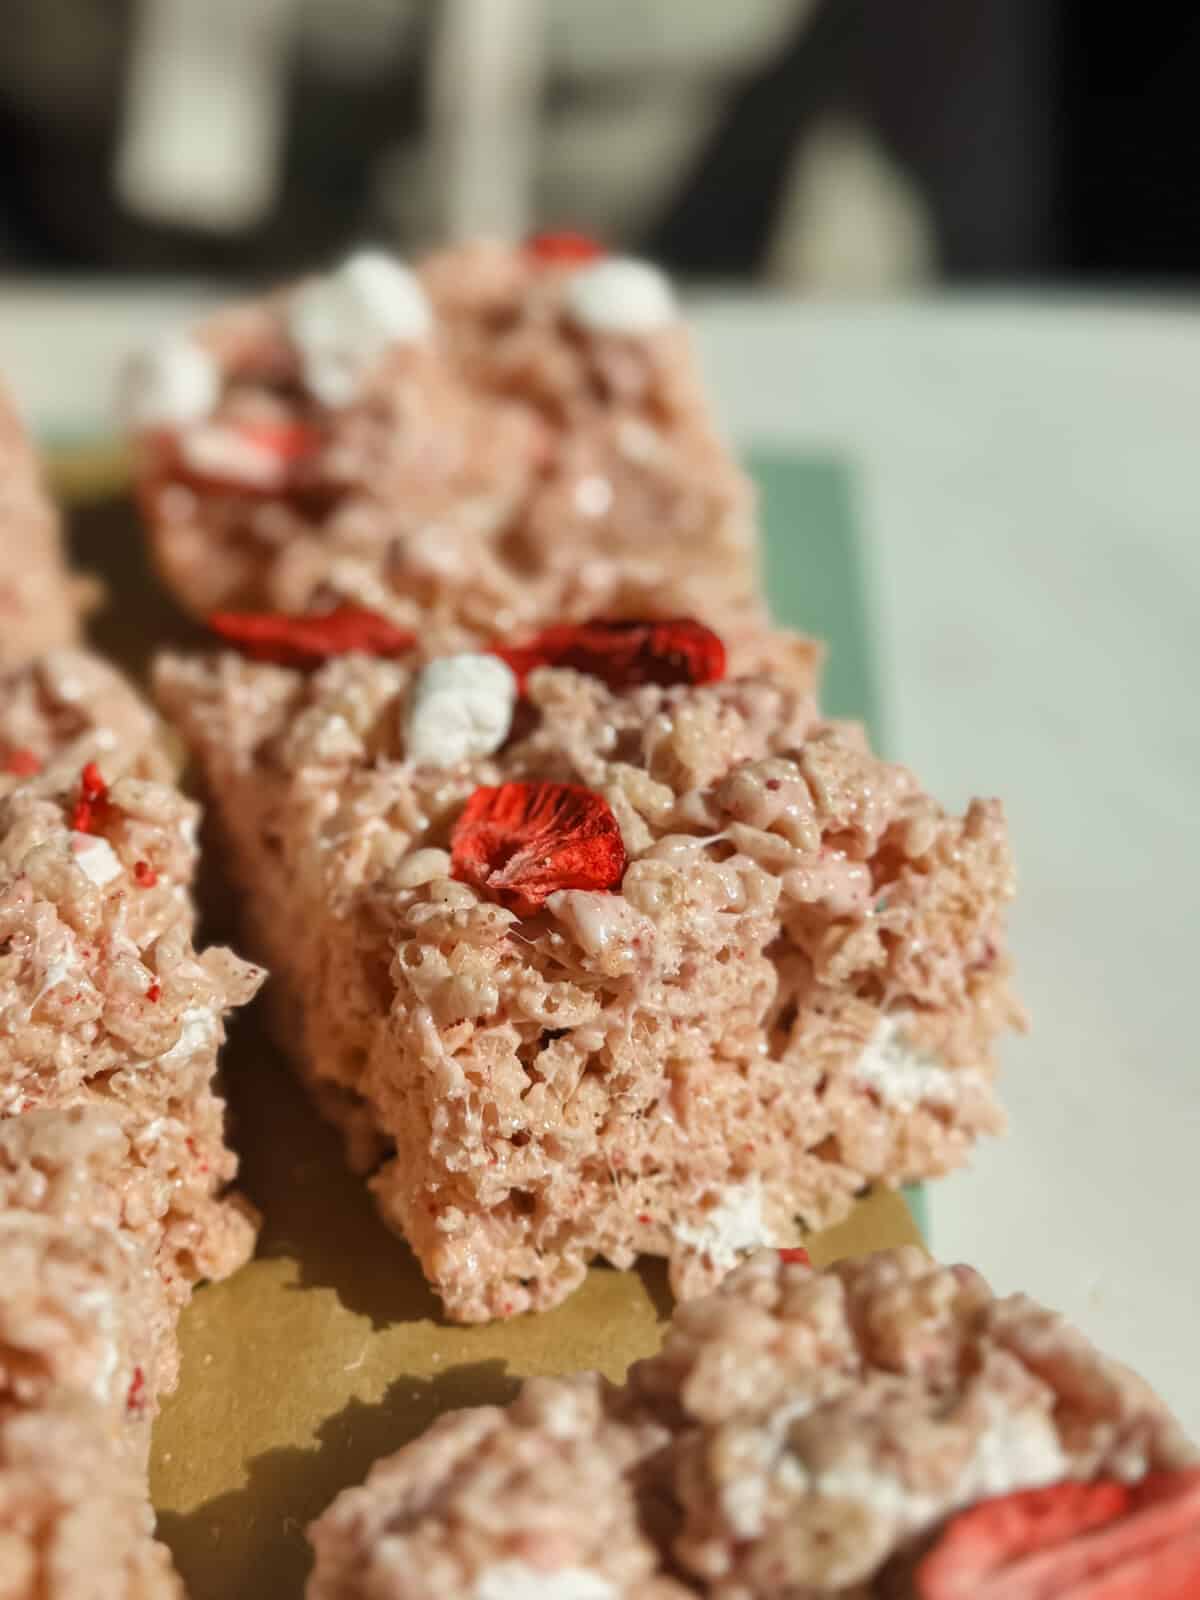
x=833 y=145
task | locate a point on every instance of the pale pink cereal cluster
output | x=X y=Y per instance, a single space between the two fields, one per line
x=799 y=1433
x=38 y=599
x=792 y=993
x=104 y=1000
x=114 y=1169
x=476 y=1507
x=454 y=449
x=68 y=707
x=74 y=1522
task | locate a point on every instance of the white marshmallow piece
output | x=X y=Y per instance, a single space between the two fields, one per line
x=734 y=1227
x=461 y=706
x=342 y=324
x=516 y=1580
x=620 y=295
x=170 y=384
x=95 y=857
x=904 y=1076
x=229 y=456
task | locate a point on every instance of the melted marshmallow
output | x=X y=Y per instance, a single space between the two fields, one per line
x=342 y=324
x=903 y=1075
x=170 y=384
x=731 y=1228
x=101 y=1306
x=95 y=858
x=622 y=296
x=199 y=1030
x=1020 y=1450
x=516 y=1580
x=461 y=706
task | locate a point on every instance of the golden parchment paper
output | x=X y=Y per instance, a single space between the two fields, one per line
x=328 y=1350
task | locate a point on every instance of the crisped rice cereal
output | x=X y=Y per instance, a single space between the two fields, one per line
x=459 y=456
x=104 y=1001
x=800 y=1434
x=792 y=992
x=74 y=1520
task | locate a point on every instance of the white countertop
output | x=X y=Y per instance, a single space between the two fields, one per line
x=1029 y=475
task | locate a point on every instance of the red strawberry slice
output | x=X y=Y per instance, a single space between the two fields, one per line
x=1073 y=1541
x=243 y=457
x=21 y=763
x=624 y=654
x=306 y=641
x=91 y=806
x=563 y=248
x=520 y=842
x=287 y=441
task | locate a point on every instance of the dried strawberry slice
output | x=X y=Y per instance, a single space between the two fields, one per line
x=308 y=640
x=243 y=457
x=795 y=1254
x=287 y=441
x=522 y=841
x=92 y=802
x=624 y=655
x=21 y=763
x=1073 y=1541
x=563 y=248
x=135 y=1398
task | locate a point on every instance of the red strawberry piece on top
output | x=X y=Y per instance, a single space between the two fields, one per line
x=307 y=641
x=241 y=457
x=286 y=441
x=795 y=1255
x=21 y=763
x=623 y=654
x=1105 y=1540
x=563 y=248
x=521 y=842
x=92 y=802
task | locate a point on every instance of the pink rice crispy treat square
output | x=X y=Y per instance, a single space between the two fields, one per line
x=84 y=1312
x=639 y=481
x=106 y=1007
x=38 y=599
x=75 y=1523
x=801 y=1433
x=792 y=992
x=337 y=441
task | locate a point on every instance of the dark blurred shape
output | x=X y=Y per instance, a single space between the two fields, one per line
x=1128 y=124
x=961 y=94
x=1039 y=137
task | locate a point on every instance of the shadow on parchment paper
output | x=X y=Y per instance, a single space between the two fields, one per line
x=294 y=1172
x=250 y=1544
x=136 y=617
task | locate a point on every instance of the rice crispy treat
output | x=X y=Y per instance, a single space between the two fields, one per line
x=67 y=707
x=104 y=1001
x=788 y=988
x=495 y=1504
x=344 y=438
x=75 y=1523
x=641 y=493
x=84 y=1312
x=99 y=1167
x=801 y=1433
x=37 y=598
